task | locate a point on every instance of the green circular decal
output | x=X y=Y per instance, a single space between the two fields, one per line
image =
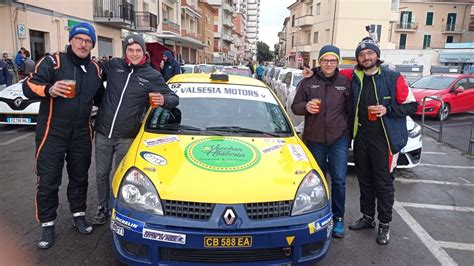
x=222 y=154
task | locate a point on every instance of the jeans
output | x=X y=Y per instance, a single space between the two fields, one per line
x=335 y=155
x=105 y=149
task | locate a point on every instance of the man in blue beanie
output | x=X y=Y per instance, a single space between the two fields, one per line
x=325 y=101
x=169 y=66
x=68 y=85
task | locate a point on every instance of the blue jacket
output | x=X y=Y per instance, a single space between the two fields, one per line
x=392 y=92
x=18 y=59
x=260 y=70
x=5 y=76
x=171 y=67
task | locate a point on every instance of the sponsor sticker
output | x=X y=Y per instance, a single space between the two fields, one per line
x=317 y=226
x=153 y=158
x=272 y=148
x=273 y=140
x=297 y=152
x=128 y=223
x=116 y=228
x=160 y=141
x=164 y=236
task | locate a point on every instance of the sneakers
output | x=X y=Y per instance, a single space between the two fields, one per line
x=79 y=222
x=366 y=222
x=101 y=216
x=47 y=236
x=338 y=229
x=383 y=236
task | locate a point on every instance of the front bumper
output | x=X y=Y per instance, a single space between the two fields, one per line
x=431 y=108
x=146 y=239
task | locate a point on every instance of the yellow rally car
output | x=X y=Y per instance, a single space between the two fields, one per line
x=222 y=178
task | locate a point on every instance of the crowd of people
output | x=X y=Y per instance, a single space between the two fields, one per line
x=14 y=70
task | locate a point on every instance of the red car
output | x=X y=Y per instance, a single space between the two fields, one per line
x=457 y=92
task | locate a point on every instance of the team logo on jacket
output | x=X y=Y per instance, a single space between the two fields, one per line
x=340 y=88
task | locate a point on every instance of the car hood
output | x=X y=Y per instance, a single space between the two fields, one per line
x=12 y=92
x=217 y=169
x=421 y=93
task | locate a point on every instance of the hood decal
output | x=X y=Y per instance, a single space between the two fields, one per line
x=297 y=153
x=160 y=141
x=152 y=158
x=221 y=154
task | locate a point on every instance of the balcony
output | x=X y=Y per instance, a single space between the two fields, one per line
x=226 y=37
x=170 y=26
x=305 y=21
x=452 y=29
x=304 y=46
x=145 y=21
x=188 y=6
x=406 y=27
x=227 y=23
x=116 y=13
x=189 y=34
x=227 y=8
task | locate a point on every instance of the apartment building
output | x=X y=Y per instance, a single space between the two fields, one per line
x=207 y=31
x=223 y=31
x=425 y=24
x=282 y=43
x=239 y=43
x=253 y=22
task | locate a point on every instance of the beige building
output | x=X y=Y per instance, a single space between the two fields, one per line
x=425 y=24
x=207 y=30
x=314 y=23
x=223 y=31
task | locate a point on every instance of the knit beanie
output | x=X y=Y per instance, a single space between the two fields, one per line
x=83 y=28
x=134 y=38
x=367 y=43
x=329 y=50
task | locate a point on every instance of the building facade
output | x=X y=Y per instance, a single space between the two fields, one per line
x=207 y=30
x=253 y=22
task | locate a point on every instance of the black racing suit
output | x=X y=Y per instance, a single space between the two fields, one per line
x=63 y=130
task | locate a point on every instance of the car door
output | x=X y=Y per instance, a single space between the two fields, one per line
x=470 y=92
x=459 y=101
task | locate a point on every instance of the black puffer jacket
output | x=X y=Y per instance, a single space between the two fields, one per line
x=126 y=97
x=336 y=102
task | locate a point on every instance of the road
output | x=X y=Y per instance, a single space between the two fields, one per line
x=433 y=215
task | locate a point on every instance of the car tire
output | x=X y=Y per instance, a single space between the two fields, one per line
x=444 y=113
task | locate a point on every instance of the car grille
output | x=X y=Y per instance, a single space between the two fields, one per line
x=222 y=255
x=403 y=160
x=188 y=210
x=268 y=210
x=24 y=103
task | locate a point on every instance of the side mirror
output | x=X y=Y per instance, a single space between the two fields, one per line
x=459 y=89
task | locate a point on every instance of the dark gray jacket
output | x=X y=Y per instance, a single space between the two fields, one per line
x=126 y=97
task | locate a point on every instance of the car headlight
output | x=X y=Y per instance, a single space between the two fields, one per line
x=311 y=195
x=415 y=132
x=137 y=192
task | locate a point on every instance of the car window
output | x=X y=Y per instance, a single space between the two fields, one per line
x=238 y=71
x=471 y=84
x=272 y=72
x=287 y=79
x=277 y=73
x=463 y=83
x=296 y=79
x=187 y=69
x=202 y=108
x=433 y=83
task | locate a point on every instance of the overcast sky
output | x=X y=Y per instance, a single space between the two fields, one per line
x=272 y=15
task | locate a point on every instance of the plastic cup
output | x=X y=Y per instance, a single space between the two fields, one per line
x=372 y=112
x=317 y=101
x=72 y=88
x=150 y=98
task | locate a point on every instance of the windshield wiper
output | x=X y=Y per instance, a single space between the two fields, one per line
x=185 y=128
x=242 y=130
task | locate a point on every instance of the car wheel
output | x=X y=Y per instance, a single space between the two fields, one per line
x=444 y=113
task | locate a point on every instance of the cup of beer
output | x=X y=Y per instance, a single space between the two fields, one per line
x=317 y=101
x=372 y=112
x=72 y=88
x=150 y=98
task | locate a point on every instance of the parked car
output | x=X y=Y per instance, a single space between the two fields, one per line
x=239 y=71
x=206 y=68
x=204 y=183
x=279 y=77
x=456 y=91
x=188 y=68
x=16 y=109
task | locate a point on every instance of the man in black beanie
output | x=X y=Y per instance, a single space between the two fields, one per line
x=325 y=101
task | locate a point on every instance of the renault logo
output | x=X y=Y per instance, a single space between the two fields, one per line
x=18 y=102
x=229 y=216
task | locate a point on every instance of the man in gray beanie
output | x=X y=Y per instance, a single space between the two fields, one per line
x=325 y=101
x=130 y=82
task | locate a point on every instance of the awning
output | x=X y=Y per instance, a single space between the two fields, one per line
x=459 y=56
x=184 y=41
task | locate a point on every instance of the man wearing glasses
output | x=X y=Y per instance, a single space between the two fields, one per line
x=68 y=85
x=325 y=100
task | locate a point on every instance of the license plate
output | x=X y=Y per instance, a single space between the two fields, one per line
x=15 y=120
x=227 y=241
x=116 y=228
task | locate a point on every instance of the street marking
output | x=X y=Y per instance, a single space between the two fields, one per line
x=465 y=180
x=448 y=166
x=433 y=246
x=454 y=245
x=16 y=139
x=437 y=207
x=433 y=152
x=434 y=182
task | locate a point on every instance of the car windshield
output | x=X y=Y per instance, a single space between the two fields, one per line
x=205 y=113
x=187 y=69
x=433 y=83
x=296 y=79
x=206 y=68
x=237 y=71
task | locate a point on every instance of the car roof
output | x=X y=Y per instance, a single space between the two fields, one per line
x=206 y=78
x=454 y=75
